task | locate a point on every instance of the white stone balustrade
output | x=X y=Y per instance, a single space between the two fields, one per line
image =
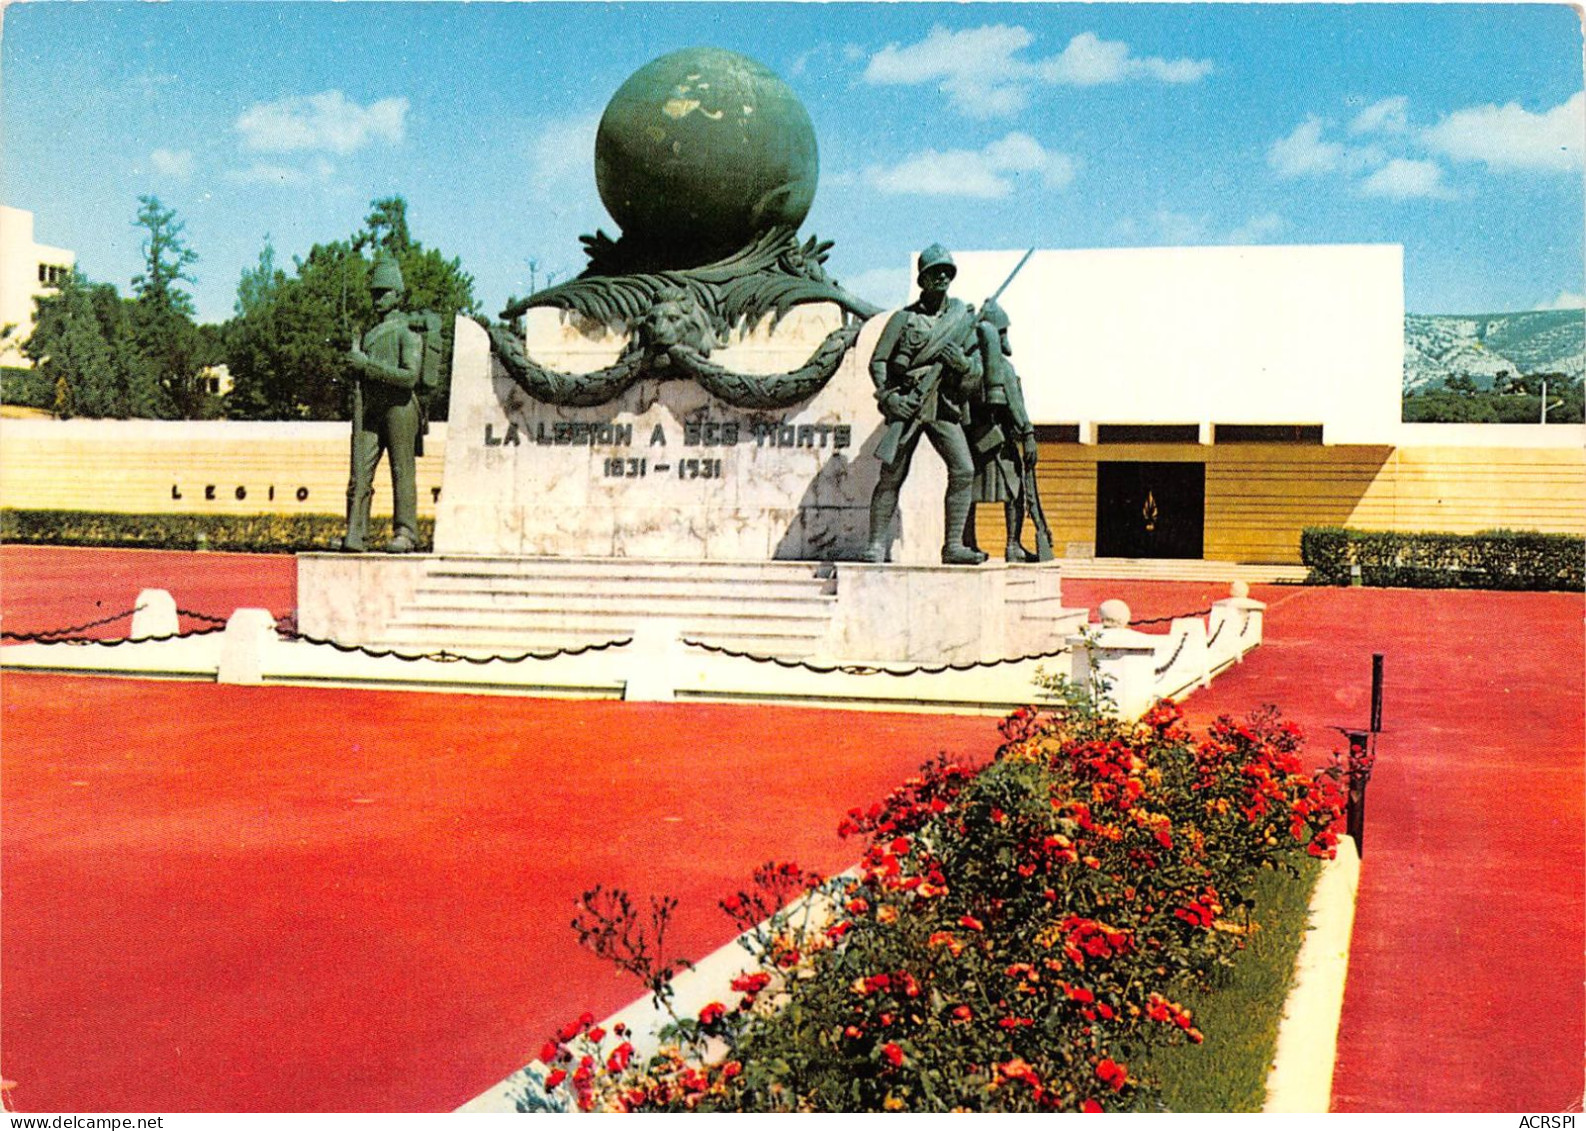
x=1140 y=667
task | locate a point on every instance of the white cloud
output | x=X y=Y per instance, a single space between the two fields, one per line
x=1089 y=60
x=1177 y=229
x=885 y=286
x=1565 y=300
x=562 y=155
x=983 y=75
x=1256 y=229
x=975 y=67
x=988 y=173
x=1406 y=179
x=328 y=120
x=176 y=164
x=1304 y=152
x=283 y=176
x=1510 y=137
x=1388 y=115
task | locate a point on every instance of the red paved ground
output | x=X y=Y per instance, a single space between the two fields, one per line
x=44 y=588
x=268 y=898
x=1465 y=977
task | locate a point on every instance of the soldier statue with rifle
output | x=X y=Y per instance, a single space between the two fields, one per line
x=394 y=363
x=926 y=366
x=1002 y=442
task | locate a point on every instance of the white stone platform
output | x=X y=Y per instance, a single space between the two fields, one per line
x=827 y=612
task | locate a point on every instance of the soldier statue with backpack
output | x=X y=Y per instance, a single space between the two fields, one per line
x=398 y=359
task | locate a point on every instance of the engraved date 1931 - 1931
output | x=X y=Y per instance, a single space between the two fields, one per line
x=619 y=467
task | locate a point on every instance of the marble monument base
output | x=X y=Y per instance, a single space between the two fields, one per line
x=667 y=471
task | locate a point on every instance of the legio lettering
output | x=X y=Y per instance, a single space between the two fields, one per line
x=240 y=492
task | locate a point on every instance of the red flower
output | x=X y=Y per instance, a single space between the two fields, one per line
x=620 y=1056
x=961 y=1013
x=892 y=1054
x=1113 y=1074
x=548 y=1051
x=969 y=922
x=556 y=1078
x=900 y=846
x=1090 y=1107
x=730 y=1069
x=751 y=983
x=569 y=1031
x=597 y=1034
x=711 y=1014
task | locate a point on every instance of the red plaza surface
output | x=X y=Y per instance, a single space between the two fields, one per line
x=224 y=898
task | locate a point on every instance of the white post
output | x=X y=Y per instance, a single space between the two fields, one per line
x=242 y=645
x=155 y=616
x=1124 y=658
x=1244 y=620
x=655 y=659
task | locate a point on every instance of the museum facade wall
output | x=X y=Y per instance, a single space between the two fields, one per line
x=1254 y=498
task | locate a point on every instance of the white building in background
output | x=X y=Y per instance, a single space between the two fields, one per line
x=27 y=270
x=1194 y=339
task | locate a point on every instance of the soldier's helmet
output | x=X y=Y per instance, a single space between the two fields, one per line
x=937 y=256
x=387 y=275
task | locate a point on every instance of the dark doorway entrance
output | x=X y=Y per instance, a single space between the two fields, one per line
x=1150 y=510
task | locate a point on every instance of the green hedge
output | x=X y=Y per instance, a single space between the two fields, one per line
x=246 y=533
x=1493 y=559
x=26 y=387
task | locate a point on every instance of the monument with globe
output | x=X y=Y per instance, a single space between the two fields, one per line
x=695 y=408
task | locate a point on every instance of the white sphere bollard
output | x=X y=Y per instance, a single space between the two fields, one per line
x=1114 y=614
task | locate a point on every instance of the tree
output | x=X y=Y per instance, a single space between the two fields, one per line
x=287 y=345
x=84 y=346
x=166 y=258
x=163 y=316
x=386 y=226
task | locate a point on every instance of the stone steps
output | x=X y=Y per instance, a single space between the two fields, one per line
x=510 y=605
x=1180 y=569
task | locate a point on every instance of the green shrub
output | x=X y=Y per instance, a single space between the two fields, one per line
x=241 y=533
x=26 y=387
x=1492 y=559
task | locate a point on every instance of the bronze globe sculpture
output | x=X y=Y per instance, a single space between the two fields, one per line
x=707 y=161
x=703 y=149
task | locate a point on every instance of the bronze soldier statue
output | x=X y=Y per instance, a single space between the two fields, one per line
x=387 y=415
x=925 y=361
x=1001 y=437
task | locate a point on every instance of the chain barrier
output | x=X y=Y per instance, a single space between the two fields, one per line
x=445 y=656
x=43 y=637
x=1171 y=619
x=1173 y=659
x=864 y=669
x=65 y=635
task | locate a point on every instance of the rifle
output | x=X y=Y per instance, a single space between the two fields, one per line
x=357 y=381
x=1032 y=507
x=899 y=433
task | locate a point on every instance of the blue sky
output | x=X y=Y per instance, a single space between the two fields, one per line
x=1455 y=130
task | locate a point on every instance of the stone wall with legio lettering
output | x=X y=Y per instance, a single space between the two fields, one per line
x=668 y=471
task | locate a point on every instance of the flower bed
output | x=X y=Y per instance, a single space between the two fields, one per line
x=1018 y=935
